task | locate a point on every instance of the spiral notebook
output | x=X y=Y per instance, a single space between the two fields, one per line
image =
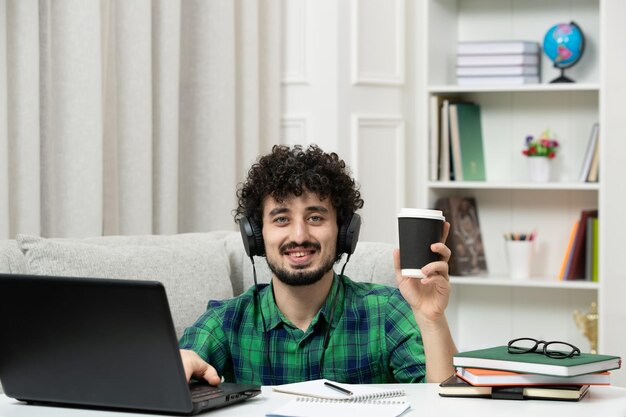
x=317 y=398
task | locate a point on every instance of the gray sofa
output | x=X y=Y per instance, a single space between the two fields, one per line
x=193 y=267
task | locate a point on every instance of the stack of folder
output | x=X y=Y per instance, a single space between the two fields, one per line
x=496 y=373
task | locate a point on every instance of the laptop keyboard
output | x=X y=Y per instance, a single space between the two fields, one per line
x=204 y=391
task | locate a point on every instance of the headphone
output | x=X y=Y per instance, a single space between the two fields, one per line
x=252 y=235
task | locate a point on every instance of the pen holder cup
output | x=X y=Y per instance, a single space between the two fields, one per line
x=519 y=255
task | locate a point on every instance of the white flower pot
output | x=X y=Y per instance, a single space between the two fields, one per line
x=539 y=168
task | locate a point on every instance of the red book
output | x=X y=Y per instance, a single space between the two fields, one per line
x=491 y=377
x=577 y=267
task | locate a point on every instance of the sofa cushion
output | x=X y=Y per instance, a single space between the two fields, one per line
x=193 y=268
x=371 y=262
x=11 y=258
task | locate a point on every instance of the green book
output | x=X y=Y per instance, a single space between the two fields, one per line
x=499 y=358
x=594 y=250
x=467 y=136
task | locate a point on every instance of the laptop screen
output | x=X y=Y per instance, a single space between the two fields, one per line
x=92 y=342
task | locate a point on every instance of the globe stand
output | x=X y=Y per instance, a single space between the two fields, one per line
x=562 y=78
x=564 y=44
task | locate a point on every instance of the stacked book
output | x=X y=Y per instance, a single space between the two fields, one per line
x=498 y=62
x=496 y=373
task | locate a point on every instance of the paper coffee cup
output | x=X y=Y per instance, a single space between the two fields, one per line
x=417 y=230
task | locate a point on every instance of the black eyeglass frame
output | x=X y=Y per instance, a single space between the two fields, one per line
x=555 y=354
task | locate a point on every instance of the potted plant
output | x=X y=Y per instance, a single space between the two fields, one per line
x=539 y=152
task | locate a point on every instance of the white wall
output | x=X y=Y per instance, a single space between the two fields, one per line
x=348 y=80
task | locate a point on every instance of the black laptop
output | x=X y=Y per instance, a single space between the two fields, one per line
x=103 y=343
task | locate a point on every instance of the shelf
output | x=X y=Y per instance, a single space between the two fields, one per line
x=535 y=186
x=529 y=283
x=531 y=88
x=507 y=200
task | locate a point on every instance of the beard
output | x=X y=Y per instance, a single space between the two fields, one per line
x=301 y=278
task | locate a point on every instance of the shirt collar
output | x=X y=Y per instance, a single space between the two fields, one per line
x=275 y=317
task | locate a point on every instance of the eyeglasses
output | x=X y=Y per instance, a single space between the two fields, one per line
x=553 y=349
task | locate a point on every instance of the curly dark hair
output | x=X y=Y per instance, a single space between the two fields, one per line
x=286 y=172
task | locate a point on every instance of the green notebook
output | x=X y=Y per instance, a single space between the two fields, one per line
x=499 y=358
x=467 y=137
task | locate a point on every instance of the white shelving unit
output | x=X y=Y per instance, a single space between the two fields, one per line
x=382 y=123
x=493 y=309
x=532 y=282
x=519 y=185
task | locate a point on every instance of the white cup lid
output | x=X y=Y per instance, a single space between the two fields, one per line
x=421 y=213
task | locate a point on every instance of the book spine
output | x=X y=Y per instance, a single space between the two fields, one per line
x=495 y=80
x=489 y=71
x=568 y=251
x=455 y=143
x=434 y=131
x=577 y=264
x=444 y=149
x=593 y=170
x=497 y=60
x=502 y=47
x=594 y=267
x=589 y=153
x=471 y=142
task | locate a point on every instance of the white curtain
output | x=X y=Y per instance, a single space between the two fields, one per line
x=132 y=117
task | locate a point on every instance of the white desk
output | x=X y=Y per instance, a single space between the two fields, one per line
x=600 y=401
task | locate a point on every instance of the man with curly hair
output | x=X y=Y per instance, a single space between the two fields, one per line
x=311 y=322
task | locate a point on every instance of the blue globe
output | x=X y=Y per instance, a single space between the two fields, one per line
x=564 y=44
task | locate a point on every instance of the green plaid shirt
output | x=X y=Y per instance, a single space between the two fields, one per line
x=373 y=338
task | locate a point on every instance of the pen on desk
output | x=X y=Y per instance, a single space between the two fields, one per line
x=338 y=388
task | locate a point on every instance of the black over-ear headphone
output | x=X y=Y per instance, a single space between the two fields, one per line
x=253 y=237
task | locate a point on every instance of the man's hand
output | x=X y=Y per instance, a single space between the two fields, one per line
x=196 y=367
x=428 y=297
